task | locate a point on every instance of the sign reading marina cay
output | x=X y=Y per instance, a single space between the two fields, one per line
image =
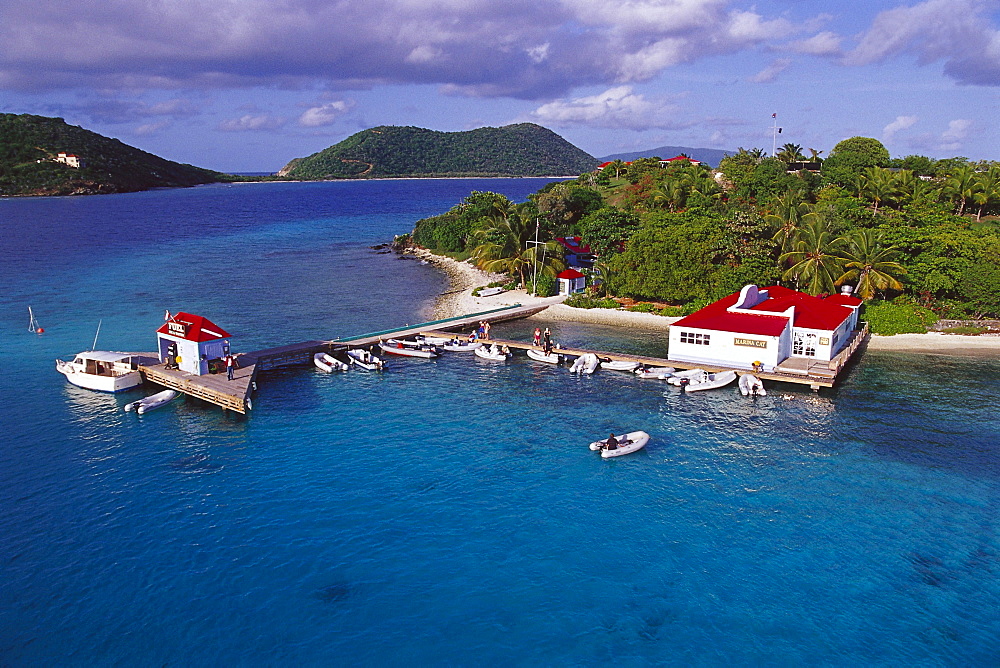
x=750 y=343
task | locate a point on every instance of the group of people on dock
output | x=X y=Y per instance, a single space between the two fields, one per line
x=482 y=333
x=543 y=340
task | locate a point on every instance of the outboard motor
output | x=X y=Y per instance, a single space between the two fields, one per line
x=685 y=381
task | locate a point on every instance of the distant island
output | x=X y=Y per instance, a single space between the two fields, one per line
x=524 y=149
x=46 y=156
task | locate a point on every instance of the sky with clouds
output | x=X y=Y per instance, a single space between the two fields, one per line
x=247 y=85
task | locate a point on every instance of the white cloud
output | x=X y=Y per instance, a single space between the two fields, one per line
x=325 y=114
x=959 y=33
x=901 y=123
x=251 y=123
x=771 y=72
x=618 y=107
x=825 y=43
x=148 y=129
x=955 y=135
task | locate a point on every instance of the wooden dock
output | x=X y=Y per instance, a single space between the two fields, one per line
x=236 y=394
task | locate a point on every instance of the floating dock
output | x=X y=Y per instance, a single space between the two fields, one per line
x=236 y=394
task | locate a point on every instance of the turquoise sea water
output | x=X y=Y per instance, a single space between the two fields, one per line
x=449 y=511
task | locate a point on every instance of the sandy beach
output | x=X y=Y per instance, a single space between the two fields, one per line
x=464 y=277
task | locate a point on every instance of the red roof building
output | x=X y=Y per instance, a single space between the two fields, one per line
x=571 y=281
x=765 y=325
x=192 y=342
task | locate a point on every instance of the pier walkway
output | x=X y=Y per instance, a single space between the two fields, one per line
x=236 y=394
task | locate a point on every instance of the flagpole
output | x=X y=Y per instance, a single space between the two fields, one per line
x=774 y=136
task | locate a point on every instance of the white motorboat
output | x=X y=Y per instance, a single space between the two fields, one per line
x=752 y=385
x=586 y=363
x=493 y=352
x=327 y=362
x=690 y=375
x=655 y=373
x=712 y=381
x=152 y=402
x=364 y=359
x=629 y=443
x=103 y=370
x=408 y=349
x=540 y=356
x=461 y=346
x=431 y=340
x=619 y=365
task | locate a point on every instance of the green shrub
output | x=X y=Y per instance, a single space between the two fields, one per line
x=671 y=311
x=965 y=329
x=546 y=286
x=584 y=301
x=642 y=307
x=898 y=317
x=692 y=306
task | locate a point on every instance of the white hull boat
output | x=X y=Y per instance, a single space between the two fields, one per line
x=328 y=363
x=752 y=385
x=408 y=349
x=627 y=444
x=690 y=375
x=103 y=370
x=432 y=340
x=152 y=402
x=713 y=381
x=364 y=359
x=619 y=365
x=655 y=373
x=586 y=363
x=540 y=356
x=492 y=353
x=458 y=346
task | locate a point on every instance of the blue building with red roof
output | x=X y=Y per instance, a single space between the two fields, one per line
x=196 y=341
x=765 y=325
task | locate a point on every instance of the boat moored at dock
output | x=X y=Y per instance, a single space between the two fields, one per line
x=329 y=363
x=408 y=349
x=103 y=370
x=152 y=402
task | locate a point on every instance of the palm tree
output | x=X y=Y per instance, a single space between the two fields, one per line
x=877 y=184
x=815 y=258
x=870 y=265
x=814 y=155
x=502 y=246
x=987 y=189
x=790 y=153
x=618 y=166
x=601 y=276
x=790 y=213
x=960 y=185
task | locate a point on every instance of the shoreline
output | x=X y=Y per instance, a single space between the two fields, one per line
x=464 y=278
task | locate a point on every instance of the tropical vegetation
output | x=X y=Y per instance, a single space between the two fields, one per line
x=29 y=150
x=524 y=149
x=916 y=238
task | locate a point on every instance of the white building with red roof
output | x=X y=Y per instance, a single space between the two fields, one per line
x=767 y=326
x=196 y=340
x=571 y=281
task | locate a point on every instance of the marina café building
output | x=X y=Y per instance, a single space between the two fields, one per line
x=767 y=326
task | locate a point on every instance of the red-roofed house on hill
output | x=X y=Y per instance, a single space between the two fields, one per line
x=767 y=326
x=198 y=341
x=575 y=252
x=678 y=159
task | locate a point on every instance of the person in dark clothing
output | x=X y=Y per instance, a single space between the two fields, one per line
x=230 y=365
x=611 y=443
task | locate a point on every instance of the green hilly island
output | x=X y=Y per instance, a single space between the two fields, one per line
x=524 y=149
x=30 y=162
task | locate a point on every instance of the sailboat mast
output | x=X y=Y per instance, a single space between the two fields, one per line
x=94 y=347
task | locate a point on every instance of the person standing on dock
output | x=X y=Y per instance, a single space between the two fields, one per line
x=538 y=338
x=486 y=329
x=547 y=341
x=481 y=332
x=230 y=365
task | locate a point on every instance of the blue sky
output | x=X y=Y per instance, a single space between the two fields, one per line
x=247 y=85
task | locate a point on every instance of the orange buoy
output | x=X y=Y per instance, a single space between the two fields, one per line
x=40 y=330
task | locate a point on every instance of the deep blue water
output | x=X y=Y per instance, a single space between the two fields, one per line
x=449 y=511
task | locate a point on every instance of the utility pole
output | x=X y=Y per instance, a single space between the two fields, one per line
x=534 y=279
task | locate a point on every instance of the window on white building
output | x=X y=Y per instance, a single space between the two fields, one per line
x=696 y=339
x=804 y=345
